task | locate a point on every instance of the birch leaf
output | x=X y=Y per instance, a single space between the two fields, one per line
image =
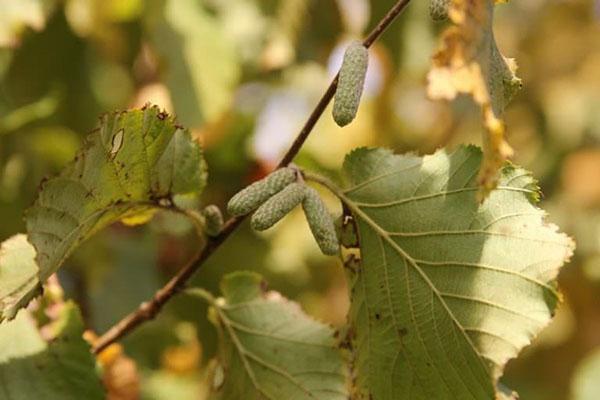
x=448 y=289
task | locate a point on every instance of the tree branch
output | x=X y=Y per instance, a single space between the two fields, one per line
x=148 y=310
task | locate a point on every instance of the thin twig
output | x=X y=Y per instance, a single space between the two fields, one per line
x=149 y=309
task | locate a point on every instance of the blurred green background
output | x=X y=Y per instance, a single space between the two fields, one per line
x=243 y=75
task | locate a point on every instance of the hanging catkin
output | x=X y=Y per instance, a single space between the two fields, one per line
x=320 y=221
x=277 y=207
x=350 y=84
x=254 y=195
x=438 y=9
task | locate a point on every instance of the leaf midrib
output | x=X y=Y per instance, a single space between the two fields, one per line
x=383 y=234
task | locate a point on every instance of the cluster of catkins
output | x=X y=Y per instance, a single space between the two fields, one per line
x=275 y=196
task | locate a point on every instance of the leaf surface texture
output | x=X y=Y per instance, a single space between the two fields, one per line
x=135 y=162
x=448 y=290
x=270 y=349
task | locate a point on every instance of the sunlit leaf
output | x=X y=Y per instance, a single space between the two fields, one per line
x=245 y=24
x=98 y=17
x=470 y=62
x=270 y=349
x=62 y=369
x=199 y=61
x=133 y=162
x=448 y=289
x=17 y=15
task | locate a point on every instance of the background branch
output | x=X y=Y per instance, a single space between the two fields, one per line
x=148 y=310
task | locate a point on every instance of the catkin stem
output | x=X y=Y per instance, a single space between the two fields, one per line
x=148 y=310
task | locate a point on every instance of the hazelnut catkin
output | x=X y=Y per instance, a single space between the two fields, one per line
x=257 y=193
x=438 y=9
x=277 y=207
x=320 y=221
x=350 y=83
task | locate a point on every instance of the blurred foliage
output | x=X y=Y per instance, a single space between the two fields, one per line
x=243 y=75
x=45 y=345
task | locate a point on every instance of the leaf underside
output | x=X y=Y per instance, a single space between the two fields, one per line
x=134 y=162
x=448 y=290
x=270 y=349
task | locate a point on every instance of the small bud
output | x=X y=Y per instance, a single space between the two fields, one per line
x=350 y=83
x=213 y=220
x=320 y=222
x=346 y=231
x=438 y=9
x=277 y=207
x=257 y=193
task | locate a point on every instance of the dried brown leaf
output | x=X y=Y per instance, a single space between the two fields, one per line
x=469 y=62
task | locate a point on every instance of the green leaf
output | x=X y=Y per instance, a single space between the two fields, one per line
x=18 y=274
x=448 y=289
x=199 y=61
x=133 y=163
x=62 y=369
x=270 y=349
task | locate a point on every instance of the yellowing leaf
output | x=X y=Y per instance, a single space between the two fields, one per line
x=448 y=289
x=139 y=219
x=469 y=62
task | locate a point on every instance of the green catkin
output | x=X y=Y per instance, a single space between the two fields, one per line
x=257 y=193
x=277 y=207
x=438 y=9
x=350 y=83
x=213 y=220
x=321 y=222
